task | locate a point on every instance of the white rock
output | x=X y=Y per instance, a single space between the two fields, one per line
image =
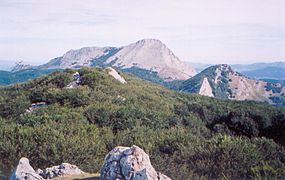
x=206 y=89
x=24 y=171
x=129 y=163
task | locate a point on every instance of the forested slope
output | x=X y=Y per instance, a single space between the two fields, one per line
x=186 y=135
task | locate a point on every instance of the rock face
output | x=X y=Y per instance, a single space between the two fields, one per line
x=129 y=163
x=147 y=54
x=222 y=82
x=112 y=72
x=24 y=171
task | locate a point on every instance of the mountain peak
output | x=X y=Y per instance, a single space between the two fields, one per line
x=152 y=54
x=143 y=41
x=224 y=67
x=148 y=54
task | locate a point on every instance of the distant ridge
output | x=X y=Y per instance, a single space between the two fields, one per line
x=222 y=81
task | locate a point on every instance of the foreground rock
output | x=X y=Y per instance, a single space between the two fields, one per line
x=121 y=163
x=24 y=171
x=63 y=170
x=129 y=163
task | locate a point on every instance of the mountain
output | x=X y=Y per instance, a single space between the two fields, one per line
x=275 y=70
x=6 y=65
x=255 y=66
x=188 y=136
x=277 y=73
x=222 y=81
x=8 y=77
x=145 y=55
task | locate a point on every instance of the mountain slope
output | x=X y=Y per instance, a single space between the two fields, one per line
x=282 y=82
x=79 y=58
x=222 y=82
x=147 y=54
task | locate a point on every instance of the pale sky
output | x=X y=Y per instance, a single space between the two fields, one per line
x=203 y=31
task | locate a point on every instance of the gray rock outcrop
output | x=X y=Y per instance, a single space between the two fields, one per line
x=24 y=171
x=129 y=163
x=65 y=169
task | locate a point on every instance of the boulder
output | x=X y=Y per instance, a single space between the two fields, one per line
x=24 y=171
x=129 y=163
x=63 y=170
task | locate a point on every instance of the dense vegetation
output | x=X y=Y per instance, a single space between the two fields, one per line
x=186 y=135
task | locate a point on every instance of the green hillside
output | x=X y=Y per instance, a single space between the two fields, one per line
x=187 y=136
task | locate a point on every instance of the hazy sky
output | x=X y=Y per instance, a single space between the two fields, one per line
x=205 y=31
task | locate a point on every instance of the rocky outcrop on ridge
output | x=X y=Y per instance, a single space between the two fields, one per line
x=129 y=163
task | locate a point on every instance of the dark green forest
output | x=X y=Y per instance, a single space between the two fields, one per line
x=187 y=136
